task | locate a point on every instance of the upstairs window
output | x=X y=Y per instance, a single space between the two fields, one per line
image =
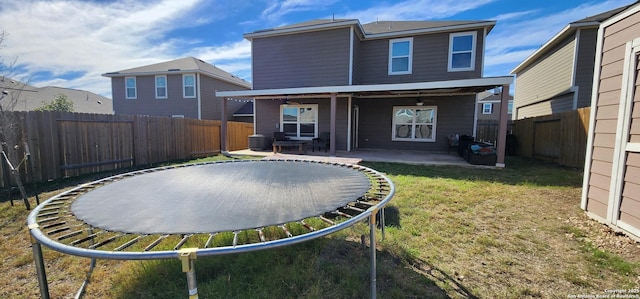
x=487 y=108
x=189 y=86
x=161 y=87
x=400 y=56
x=462 y=49
x=299 y=121
x=510 y=107
x=130 y=86
x=414 y=123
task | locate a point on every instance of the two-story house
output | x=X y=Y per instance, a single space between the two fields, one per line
x=178 y=88
x=558 y=77
x=403 y=85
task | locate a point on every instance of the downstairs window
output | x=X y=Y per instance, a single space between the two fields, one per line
x=414 y=123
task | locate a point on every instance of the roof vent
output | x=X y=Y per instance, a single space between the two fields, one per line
x=173 y=70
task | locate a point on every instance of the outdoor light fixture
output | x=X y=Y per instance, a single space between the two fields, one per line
x=419 y=102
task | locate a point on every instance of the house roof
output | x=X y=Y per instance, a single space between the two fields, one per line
x=451 y=87
x=571 y=28
x=182 y=66
x=28 y=98
x=378 y=29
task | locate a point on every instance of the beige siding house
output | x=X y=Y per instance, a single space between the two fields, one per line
x=178 y=88
x=611 y=190
x=558 y=76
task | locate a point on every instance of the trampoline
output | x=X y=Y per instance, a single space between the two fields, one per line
x=202 y=209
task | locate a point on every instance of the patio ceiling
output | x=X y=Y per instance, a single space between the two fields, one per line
x=451 y=87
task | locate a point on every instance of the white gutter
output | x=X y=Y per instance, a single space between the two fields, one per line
x=199 y=95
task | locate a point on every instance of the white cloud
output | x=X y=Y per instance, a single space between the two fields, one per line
x=516 y=36
x=277 y=9
x=414 y=10
x=90 y=38
x=237 y=50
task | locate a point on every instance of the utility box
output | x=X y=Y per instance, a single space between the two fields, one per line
x=257 y=142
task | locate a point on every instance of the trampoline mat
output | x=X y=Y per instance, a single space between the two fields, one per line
x=220 y=197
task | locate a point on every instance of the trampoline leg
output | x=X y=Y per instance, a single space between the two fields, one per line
x=39 y=261
x=382 y=223
x=188 y=257
x=372 y=245
x=84 y=285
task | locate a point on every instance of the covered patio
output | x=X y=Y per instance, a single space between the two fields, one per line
x=392 y=92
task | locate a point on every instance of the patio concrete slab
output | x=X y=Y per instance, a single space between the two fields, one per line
x=371 y=155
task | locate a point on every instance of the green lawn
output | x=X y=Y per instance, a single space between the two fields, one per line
x=452 y=232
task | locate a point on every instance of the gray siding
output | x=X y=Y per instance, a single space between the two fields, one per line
x=212 y=105
x=584 y=66
x=430 y=60
x=146 y=102
x=301 y=60
x=551 y=75
x=357 y=60
x=454 y=116
x=175 y=104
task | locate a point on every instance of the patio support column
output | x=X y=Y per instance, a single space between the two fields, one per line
x=223 y=125
x=502 y=126
x=332 y=138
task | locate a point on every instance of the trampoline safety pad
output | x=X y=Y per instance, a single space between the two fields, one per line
x=220 y=197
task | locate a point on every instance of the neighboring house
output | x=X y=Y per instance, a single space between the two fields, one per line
x=402 y=85
x=611 y=188
x=558 y=76
x=29 y=97
x=489 y=106
x=178 y=88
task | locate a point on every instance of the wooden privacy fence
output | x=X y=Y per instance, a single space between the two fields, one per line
x=68 y=144
x=487 y=130
x=559 y=138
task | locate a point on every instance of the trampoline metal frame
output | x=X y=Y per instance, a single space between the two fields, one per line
x=187 y=256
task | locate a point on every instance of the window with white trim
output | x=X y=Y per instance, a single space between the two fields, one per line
x=414 y=123
x=189 y=85
x=462 y=49
x=131 y=91
x=161 y=87
x=487 y=108
x=400 y=56
x=299 y=121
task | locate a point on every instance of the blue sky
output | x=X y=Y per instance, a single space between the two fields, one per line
x=71 y=43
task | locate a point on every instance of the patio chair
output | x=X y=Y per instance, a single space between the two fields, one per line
x=322 y=141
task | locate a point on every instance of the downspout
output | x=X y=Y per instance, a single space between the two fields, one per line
x=199 y=96
x=332 y=138
x=349 y=125
x=484 y=41
x=475 y=117
x=351 y=56
x=223 y=126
